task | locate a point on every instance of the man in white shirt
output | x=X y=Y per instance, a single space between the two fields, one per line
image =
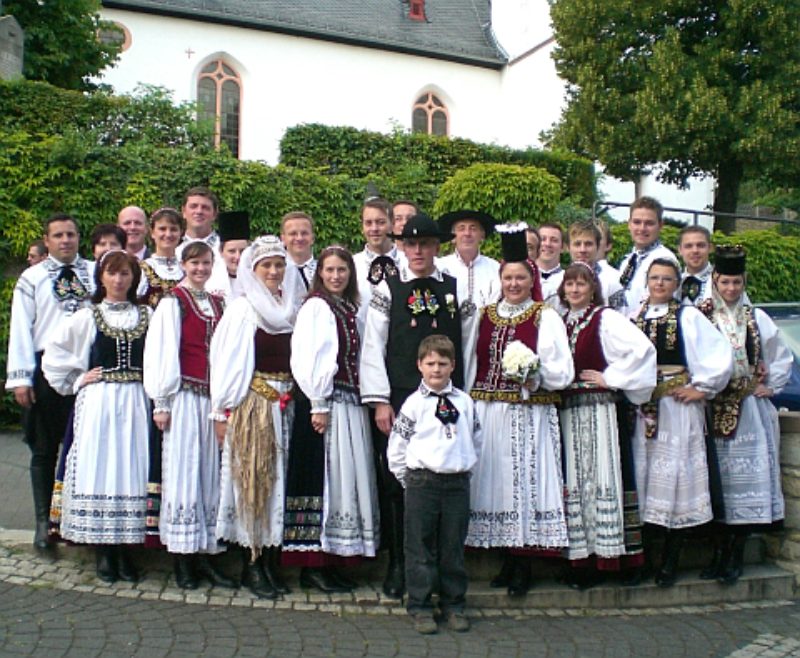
x=199 y=210
x=297 y=235
x=551 y=246
x=644 y=223
x=694 y=246
x=402 y=211
x=380 y=256
x=585 y=238
x=133 y=220
x=478 y=276
x=45 y=296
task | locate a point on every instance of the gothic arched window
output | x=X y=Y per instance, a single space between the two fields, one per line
x=430 y=116
x=219 y=94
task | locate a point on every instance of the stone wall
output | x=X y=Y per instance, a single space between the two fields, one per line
x=784 y=548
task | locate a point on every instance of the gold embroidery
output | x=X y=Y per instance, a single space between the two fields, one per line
x=726 y=405
x=535 y=311
x=515 y=398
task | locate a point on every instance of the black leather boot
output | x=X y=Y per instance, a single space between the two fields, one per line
x=106 y=569
x=503 y=577
x=270 y=559
x=204 y=567
x=42 y=485
x=394 y=585
x=126 y=570
x=185 y=576
x=520 y=581
x=342 y=579
x=667 y=575
x=734 y=567
x=320 y=579
x=254 y=579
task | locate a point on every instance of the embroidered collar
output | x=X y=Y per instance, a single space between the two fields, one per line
x=53 y=263
x=506 y=310
x=472 y=263
x=641 y=253
x=548 y=273
x=166 y=261
x=115 y=307
x=426 y=391
x=703 y=275
x=212 y=239
x=407 y=275
x=370 y=255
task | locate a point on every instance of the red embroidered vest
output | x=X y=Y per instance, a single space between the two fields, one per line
x=197 y=328
x=495 y=333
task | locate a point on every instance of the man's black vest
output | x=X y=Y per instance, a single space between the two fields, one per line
x=407 y=329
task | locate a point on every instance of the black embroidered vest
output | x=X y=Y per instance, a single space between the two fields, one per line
x=407 y=329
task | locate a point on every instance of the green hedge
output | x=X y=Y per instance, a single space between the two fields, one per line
x=361 y=154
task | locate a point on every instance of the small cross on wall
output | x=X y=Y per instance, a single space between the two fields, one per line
x=189 y=52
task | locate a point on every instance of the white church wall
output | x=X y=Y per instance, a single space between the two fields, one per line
x=290 y=80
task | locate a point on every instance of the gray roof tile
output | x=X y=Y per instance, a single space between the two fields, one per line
x=456 y=30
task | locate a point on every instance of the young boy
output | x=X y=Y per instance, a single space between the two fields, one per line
x=434 y=444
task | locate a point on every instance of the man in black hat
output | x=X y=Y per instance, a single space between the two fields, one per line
x=478 y=276
x=418 y=301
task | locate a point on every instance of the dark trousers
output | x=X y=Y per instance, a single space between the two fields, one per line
x=45 y=424
x=436 y=520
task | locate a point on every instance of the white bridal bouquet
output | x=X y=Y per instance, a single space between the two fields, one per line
x=520 y=362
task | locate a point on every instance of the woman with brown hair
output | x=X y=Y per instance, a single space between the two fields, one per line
x=98 y=354
x=331 y=495
x=611 y=356
x=176 y=378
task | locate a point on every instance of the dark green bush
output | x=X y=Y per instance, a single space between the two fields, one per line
x=361 y=154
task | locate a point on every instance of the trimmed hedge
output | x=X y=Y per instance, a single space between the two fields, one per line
x=361 y=154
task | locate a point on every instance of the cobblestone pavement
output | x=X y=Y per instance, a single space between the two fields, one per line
x=44 y=621
x=56 y=607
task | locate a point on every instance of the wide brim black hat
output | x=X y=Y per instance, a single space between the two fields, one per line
x=233 y=225
x=486 y=221
x=422 y=226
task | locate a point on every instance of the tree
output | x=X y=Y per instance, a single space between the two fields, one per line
x=62 y=45
x=705 y=87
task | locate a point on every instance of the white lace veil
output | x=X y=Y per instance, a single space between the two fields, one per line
x=276 y=315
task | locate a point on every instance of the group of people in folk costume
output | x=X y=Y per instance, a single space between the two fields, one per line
x=222 y=392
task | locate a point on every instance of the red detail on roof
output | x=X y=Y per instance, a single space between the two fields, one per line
x=416 y=10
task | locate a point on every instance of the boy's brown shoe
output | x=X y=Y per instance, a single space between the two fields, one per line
x=456 y=621
x=425 y=624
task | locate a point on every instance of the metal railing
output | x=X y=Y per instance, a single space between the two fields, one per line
x=602 y=207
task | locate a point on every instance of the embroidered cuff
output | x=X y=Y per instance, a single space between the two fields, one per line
x=17 y=378
x=218 y=416
x=374 y=399
x=321 y=406
x=162 y=405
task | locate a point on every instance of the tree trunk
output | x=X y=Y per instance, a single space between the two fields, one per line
x=726 y=196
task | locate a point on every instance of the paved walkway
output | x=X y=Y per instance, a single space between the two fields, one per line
x=56 y=607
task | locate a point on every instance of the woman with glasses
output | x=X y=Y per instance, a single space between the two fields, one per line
x=694 y=364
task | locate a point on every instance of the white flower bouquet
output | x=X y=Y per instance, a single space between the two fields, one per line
x=520 y=363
